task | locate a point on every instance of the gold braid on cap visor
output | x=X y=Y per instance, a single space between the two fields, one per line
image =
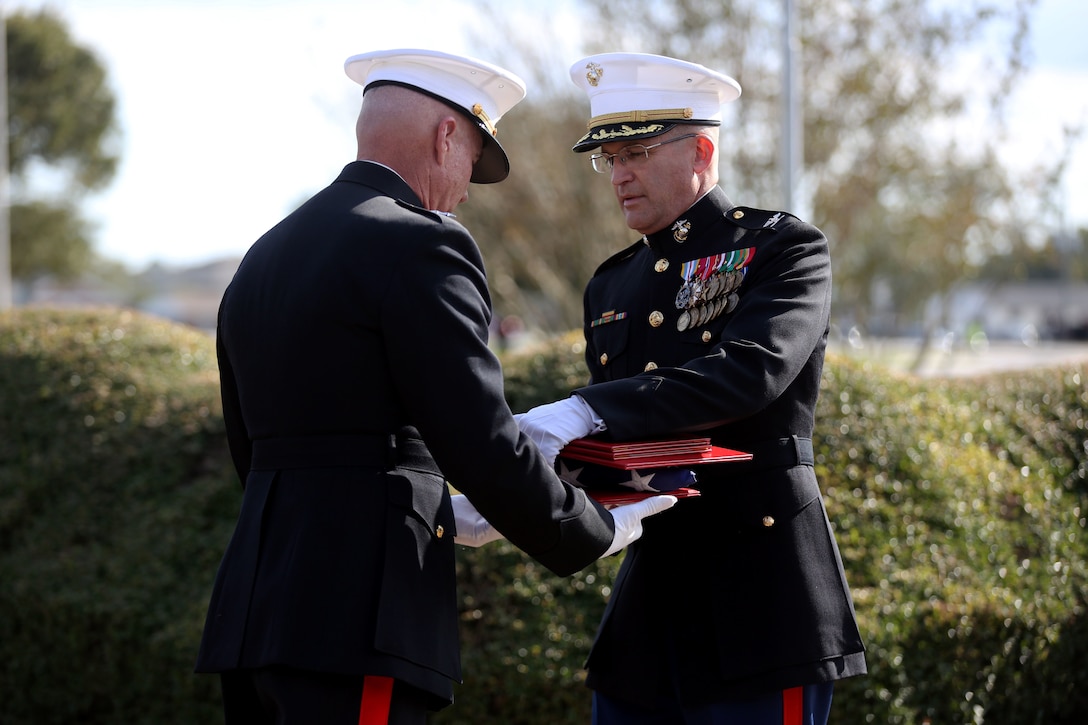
x=664 y=114
x=478 y=112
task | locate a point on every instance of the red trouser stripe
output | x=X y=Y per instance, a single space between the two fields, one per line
x=374 y=707
x=793 y=706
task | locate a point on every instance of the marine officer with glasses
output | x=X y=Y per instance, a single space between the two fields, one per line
x=734 y=606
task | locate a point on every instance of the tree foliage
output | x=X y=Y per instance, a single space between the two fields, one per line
x=61 y=109
x=553 y=220
x=1062 y=256
x=52 y=238
x=911 y=202
x=61 y=126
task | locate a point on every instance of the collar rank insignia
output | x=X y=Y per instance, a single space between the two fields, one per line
x=610 y=316
x=710 y=287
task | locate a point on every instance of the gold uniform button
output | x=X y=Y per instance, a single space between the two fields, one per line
x=656 y=318
x=604 y=358
x=440 y=531
x=738 y=214
x=661 y=265
x=707 y=336
x=650 y=366
x=768 y=521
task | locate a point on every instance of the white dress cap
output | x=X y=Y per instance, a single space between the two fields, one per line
x=482 y=91
x=639 y=95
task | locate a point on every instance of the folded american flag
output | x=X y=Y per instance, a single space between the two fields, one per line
x=651 y=480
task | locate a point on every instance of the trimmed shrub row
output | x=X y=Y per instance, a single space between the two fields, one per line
x=959 y=506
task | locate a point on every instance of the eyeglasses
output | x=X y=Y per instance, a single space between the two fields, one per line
x=629 y=155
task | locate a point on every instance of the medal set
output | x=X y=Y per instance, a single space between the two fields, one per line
x=710 y=287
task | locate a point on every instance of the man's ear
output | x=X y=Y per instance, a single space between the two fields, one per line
x=443 y=138
x=704 y=153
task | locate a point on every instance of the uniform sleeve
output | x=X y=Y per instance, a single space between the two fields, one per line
x=241 y=448
x=435 y=323
x=777 y=327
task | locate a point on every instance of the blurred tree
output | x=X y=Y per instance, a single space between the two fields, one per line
x=61 y=129
x=901 y=145
x=53 y=240
x=552 y=221
x=1063 y=256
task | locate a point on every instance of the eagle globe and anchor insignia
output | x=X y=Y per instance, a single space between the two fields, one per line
x=594 y=72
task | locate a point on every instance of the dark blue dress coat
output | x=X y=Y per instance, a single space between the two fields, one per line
x=716 y=327
x=357 y=380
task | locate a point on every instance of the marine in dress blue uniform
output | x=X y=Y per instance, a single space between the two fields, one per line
x=734 y=606
x=356 y=380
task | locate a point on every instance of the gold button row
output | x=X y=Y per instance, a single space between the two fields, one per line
x=656 y=320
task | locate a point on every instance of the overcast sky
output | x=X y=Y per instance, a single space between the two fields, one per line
x=234 y=111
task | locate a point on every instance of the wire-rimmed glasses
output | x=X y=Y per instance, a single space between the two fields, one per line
x=629 y=155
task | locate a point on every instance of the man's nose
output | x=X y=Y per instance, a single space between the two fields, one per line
x=620 y=172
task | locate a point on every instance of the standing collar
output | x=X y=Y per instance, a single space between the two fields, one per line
x=380 y=177
x=708 y=210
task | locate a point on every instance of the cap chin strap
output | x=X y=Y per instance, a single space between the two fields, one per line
x=479 y=112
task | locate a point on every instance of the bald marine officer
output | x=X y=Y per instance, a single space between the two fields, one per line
x=357 y=380
x=733 y=608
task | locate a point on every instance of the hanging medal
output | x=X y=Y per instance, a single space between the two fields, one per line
x=710 y=287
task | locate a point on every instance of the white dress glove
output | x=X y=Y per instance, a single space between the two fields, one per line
x=472 y=528
x=629 y=518
x=554 y=425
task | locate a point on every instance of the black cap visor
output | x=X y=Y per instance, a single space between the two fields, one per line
x=621 y=132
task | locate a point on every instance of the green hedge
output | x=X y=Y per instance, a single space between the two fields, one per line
x=959 y=506
x=960 y=510
x=114 y=509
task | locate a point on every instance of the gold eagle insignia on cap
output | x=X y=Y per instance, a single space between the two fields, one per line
x=594 y=73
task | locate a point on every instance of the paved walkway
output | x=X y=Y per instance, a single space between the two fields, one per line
x=964 y=360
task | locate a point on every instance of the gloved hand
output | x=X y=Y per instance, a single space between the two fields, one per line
x=629 y=518
x=554 y=425
x=472 y=528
